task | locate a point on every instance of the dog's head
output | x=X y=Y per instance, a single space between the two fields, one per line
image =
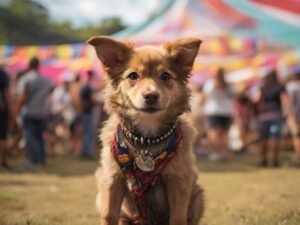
x=147 y=82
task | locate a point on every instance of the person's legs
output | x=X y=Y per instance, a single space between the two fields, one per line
x=242 y=133
x=77 y=140
x=275 y=135
x=294 y=127
x=296 y=143
x=264 y=152
x=264 y=137
x=217 y=140
x=218 y=136
x=76 y=134
x=274 y=147
x=212 y=137
x=223 y=142
x=87 y=138
x=39 y=132
x=31 y=143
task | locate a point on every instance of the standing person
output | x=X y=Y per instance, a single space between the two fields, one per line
x=62 y=113
x=75 y=88
x=33 y=92
x=218 y=111
x=5 y=114
x=293 y=90
x=270 y=117
x=87 y=99
x=76 y=126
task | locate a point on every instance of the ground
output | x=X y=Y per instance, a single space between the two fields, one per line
x=237 y=192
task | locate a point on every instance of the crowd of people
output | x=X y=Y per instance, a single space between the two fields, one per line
x=64 y=119
x=256 y=112
x=48 y=119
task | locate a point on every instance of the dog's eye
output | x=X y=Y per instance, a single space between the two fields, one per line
x=133 y=76
x=165 y=76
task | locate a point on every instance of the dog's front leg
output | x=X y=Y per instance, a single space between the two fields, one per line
x=178 y=192
x=112 y=194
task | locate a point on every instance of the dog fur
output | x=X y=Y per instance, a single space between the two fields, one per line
x=180 y=197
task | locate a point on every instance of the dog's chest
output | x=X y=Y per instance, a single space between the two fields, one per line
x=157 y=202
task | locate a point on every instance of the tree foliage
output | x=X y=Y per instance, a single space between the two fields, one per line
x=28 y=22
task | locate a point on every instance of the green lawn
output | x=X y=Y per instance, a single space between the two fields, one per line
x=237 y=193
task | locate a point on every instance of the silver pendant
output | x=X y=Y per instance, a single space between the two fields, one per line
x=145 y=163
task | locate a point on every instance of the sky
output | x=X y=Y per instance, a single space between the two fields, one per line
x=82 y=12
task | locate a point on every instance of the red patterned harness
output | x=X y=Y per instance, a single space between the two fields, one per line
x=139 y=181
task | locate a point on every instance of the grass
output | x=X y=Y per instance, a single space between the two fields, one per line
x=237 y=193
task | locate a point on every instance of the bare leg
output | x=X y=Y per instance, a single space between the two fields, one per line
x=218 y=139
x=264 y=152
x=274 y=146
x=295 y=130
x=212 y=138
x=76 y=139
x=215 y=137
x=224 y=141
x=296 y=144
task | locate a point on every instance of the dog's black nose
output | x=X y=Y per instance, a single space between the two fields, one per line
x=151 y=97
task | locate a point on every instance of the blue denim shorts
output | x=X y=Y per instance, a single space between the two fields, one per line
x=270 y=128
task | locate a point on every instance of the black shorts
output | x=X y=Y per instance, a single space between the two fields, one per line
x=270 y=128
x=221 y=122
x=3 y=124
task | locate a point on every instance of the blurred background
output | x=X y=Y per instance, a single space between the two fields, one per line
x=245 y=103
x=243 y=36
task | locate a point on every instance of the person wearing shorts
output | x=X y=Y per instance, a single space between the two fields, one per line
x=219 y=122
x=270 y=117
x=218 y=113
x=270 y=129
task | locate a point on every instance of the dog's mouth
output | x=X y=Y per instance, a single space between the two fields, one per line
x=149 y=110
x=146 y=109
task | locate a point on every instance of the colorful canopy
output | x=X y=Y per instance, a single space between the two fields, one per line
x=243 y=36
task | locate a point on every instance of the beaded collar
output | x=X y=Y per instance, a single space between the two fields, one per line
x=139 y=140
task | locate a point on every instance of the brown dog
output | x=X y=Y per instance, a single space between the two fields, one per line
x=147 y=173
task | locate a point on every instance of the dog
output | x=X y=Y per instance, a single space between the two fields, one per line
x=147 y=174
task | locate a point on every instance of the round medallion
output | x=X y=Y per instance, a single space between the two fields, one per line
x=145 y=163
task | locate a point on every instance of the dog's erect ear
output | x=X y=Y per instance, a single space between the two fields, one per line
x=183 y=52
x=110 y=52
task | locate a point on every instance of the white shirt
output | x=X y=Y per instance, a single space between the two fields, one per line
x=217 y=102
x=62 y=104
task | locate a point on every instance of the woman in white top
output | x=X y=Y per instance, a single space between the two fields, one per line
x=218 y=112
